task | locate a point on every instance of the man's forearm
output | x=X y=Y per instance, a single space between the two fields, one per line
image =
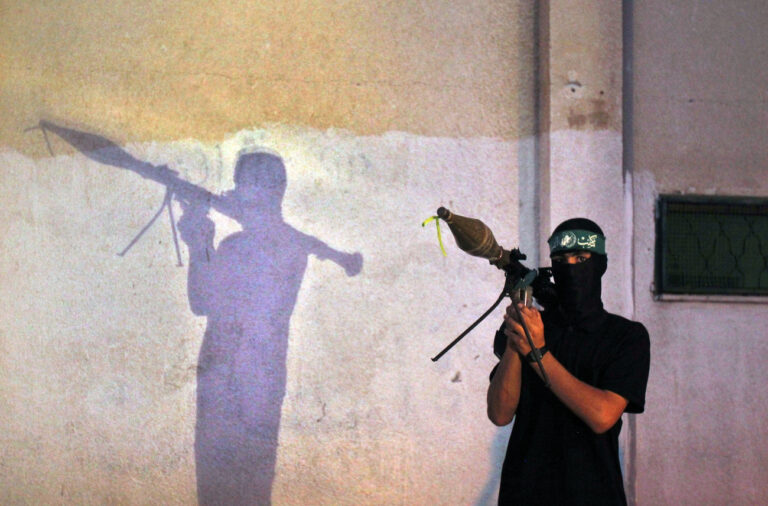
x=599 y=409
x=504 y=390
x=199 y=283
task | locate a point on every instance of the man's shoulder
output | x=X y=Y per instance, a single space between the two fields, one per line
x=630 y=329
x=615 y=319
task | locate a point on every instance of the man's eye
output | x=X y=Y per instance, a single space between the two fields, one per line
x=582 y=258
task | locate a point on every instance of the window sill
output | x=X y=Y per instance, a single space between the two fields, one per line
x=729 y=299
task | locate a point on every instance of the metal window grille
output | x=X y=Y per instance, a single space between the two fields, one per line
x=711 y=245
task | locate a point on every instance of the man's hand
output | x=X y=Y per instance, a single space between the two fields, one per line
x=196 y=228
x=353 y=264
x=599 y=409
x=516 y=340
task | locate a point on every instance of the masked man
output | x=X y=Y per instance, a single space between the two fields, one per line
x=564 y=447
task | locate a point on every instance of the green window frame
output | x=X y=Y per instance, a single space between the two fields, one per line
x=711 y=245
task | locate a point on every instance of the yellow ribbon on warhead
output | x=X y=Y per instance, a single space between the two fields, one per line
x=436 y=219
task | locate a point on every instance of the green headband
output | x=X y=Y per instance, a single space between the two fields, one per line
x=576 y=240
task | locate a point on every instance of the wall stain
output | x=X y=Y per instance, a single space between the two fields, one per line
x=594 y=118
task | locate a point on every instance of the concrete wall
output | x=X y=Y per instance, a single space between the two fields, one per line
x=112 y=368
x=127 y=380
x=581 y=167
x=698 y=123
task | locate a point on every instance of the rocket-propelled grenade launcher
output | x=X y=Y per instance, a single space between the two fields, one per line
x=474 y=237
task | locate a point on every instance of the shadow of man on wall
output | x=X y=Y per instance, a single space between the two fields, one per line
x=247 y=288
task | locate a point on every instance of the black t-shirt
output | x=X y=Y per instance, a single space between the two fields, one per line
x=554 y=458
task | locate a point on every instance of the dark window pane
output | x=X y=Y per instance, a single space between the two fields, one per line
x=712 y=245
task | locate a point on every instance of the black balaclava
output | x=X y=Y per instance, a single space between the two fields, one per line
x=578 y=285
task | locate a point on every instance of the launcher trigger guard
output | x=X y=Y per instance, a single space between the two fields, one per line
x=526 y=281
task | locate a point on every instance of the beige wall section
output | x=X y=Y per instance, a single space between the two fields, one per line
x=582 y=169
x=164 y=70
x=700 y=97
x=585 y=41
x=699 y=123
x=381 y=112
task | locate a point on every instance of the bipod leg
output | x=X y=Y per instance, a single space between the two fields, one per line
x=166 y=199
x=469 y=329
x=169 y=203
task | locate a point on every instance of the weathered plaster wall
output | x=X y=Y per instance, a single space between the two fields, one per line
x=165 y=70
x=581 y=168
x=380 y=113
x=699 y=122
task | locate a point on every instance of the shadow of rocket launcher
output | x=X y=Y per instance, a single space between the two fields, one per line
x=522 y=283
x=103 y=150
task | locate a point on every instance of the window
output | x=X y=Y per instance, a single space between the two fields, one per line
x=711 y=245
